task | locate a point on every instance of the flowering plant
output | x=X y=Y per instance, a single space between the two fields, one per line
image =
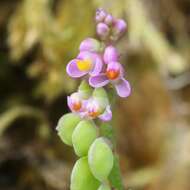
x=86 y=128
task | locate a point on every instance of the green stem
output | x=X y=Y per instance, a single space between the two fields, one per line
x=107 y=130
x=115 y=177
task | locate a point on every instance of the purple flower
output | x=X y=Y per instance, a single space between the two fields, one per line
x=85 y=63
x=111 y=54
x=114 y=74
x=90 y=44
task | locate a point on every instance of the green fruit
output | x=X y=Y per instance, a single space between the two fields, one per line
x=83 y=136
x=66 y=126
x=82 y=178
x=100 y=159
x=100 y=93
x=104 y=187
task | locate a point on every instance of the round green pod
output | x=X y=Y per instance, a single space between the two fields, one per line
x=104 y=187
x=83 y=136
x=66 y=126
x=82 y=178
x=100 y=93
x=100 y=159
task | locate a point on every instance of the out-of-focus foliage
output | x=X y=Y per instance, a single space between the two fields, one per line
x=39 y=37
x=33 y=24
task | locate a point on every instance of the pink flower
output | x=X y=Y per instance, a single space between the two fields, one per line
x=115 y=75
x=85 y=63
x=97 y=108
x=76 y=103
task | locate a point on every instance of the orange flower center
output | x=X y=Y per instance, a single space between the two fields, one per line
x=76 y=106
x=112 y=74
x=93 y=114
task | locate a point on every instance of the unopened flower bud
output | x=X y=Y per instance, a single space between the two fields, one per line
x=66 y=126
x=102 y=30
x=109 y=19
x=82 y=178
x=100 y=15
x=83 y=136
x=100 y=159
x=90 y=44
x=111 y=54
x=119 y=28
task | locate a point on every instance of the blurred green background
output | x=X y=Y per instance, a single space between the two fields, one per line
x=39 y=37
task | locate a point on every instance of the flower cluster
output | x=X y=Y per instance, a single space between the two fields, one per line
x=89 y=103
x=108 y=27
x=97 y=63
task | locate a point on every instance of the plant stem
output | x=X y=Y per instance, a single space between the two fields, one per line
x=107 y=130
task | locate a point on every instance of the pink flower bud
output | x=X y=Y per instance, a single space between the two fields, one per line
x=102 y=30
x=111 y=54
x=109 y=19
x=119 y=28
x=100 y=15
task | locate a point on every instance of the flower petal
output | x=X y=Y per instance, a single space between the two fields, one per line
x=95 y=60
x=114 y=71
x=90 y=44
x=107 y=115
x=69 y=102
x=85 y=55
x=73 y=70
x=84 y=104
x=98 y=81
x=97 y=66
x=123 y=88
x=83 y=115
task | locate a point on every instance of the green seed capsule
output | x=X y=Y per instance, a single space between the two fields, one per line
x=66 y=126
x=104 y=187
x=83 y=136
x=82 y=178
x=100 y=159
x=100 y=93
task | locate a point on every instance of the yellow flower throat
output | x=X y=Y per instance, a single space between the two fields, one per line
x=84 y=65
